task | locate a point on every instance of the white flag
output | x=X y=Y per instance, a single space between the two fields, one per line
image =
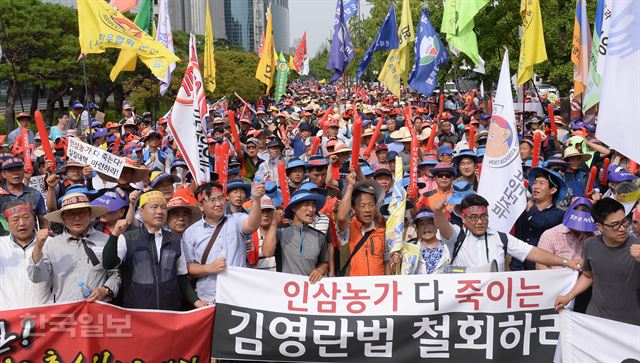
x=186 y=121
x=502 y=181
x=305 y=67
x=619 y=114
x=164 y=36
x=585 y=338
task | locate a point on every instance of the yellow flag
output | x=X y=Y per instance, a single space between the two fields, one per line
x=395 y=68
x=101 y=27
x=209 y=60
x=532 y=49
x=292 y=64
x=267 y=67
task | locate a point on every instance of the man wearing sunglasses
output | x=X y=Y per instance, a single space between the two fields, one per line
x=611 y=267
x=443 y=174
x=475 y=247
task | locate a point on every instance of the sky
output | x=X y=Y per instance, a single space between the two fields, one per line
x=315 y=17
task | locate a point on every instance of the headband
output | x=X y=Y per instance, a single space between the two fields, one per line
x=152 y=196
x=475 y=209
x=17 y=209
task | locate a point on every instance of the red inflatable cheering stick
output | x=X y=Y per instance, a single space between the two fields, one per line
x=46 y=146
x=284 y=186
x=535 y=156
x=355 y=147
x=605 y=166
x=591 y=181
x=234 y=130
x=374 y=137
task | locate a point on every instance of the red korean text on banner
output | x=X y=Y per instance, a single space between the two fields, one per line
x=284 y=185
x=85 y=332
x=46 y=146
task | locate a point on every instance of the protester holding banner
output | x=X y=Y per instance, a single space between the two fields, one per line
x=140 y=252
x=299 y=248
x=16 y=290
x=364 y=251
x=217 y=240
x=477 y=248
x=72 y=260
x=611 y=267
x=547 y=188
x=13 y=188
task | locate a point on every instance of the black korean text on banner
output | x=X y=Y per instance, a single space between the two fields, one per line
x=467 y=317
x=100 y=160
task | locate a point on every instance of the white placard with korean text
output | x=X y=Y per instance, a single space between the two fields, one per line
x=100 y=160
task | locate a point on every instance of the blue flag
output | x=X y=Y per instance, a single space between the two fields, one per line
x=342 y=51
x=430 y=54
x=351 y=8
x=387 y=39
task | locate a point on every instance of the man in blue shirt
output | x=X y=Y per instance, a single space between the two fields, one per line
x=228 y=248
x=23 y=121
x=541 y=214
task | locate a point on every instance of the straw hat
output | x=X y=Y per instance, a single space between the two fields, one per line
x=180 y=202
x=75 y=201
x=340 y=148
x=402 y=135
x=572 y=151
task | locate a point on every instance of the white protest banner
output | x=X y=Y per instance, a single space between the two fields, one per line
x=186 y=121
x=502 y=317
x=100 y=160
x=38 y=183
x=501 y=180
x=586 y=338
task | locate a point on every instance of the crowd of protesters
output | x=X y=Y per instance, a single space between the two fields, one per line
x=154 y=239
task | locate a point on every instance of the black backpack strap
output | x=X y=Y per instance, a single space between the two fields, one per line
x=505 y=242
x=458 y=245
x=357 y=248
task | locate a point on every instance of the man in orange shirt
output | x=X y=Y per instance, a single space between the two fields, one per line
x=443 y=173
x=364 y=251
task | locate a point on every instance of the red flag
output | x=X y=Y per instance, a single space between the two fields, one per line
x=301 y=52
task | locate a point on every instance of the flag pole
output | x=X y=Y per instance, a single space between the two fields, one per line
x=86 y=97
x=13 y=68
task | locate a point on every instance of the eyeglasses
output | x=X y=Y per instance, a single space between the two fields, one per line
x=473 y=218
x=219 y=199
x=249 y=147
x=624 y=223
x=447 y=176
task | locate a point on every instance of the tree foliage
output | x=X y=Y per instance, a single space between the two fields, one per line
x=42 y=43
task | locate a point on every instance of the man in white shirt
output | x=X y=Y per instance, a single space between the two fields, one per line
x=16 y=290
x=477 y=247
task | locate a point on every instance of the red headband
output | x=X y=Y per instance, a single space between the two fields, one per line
x=22 y=208
x=475 y=209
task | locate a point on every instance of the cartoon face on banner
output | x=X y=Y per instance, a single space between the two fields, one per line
x=500 y=150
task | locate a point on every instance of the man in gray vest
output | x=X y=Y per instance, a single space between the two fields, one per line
x=153 y=268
